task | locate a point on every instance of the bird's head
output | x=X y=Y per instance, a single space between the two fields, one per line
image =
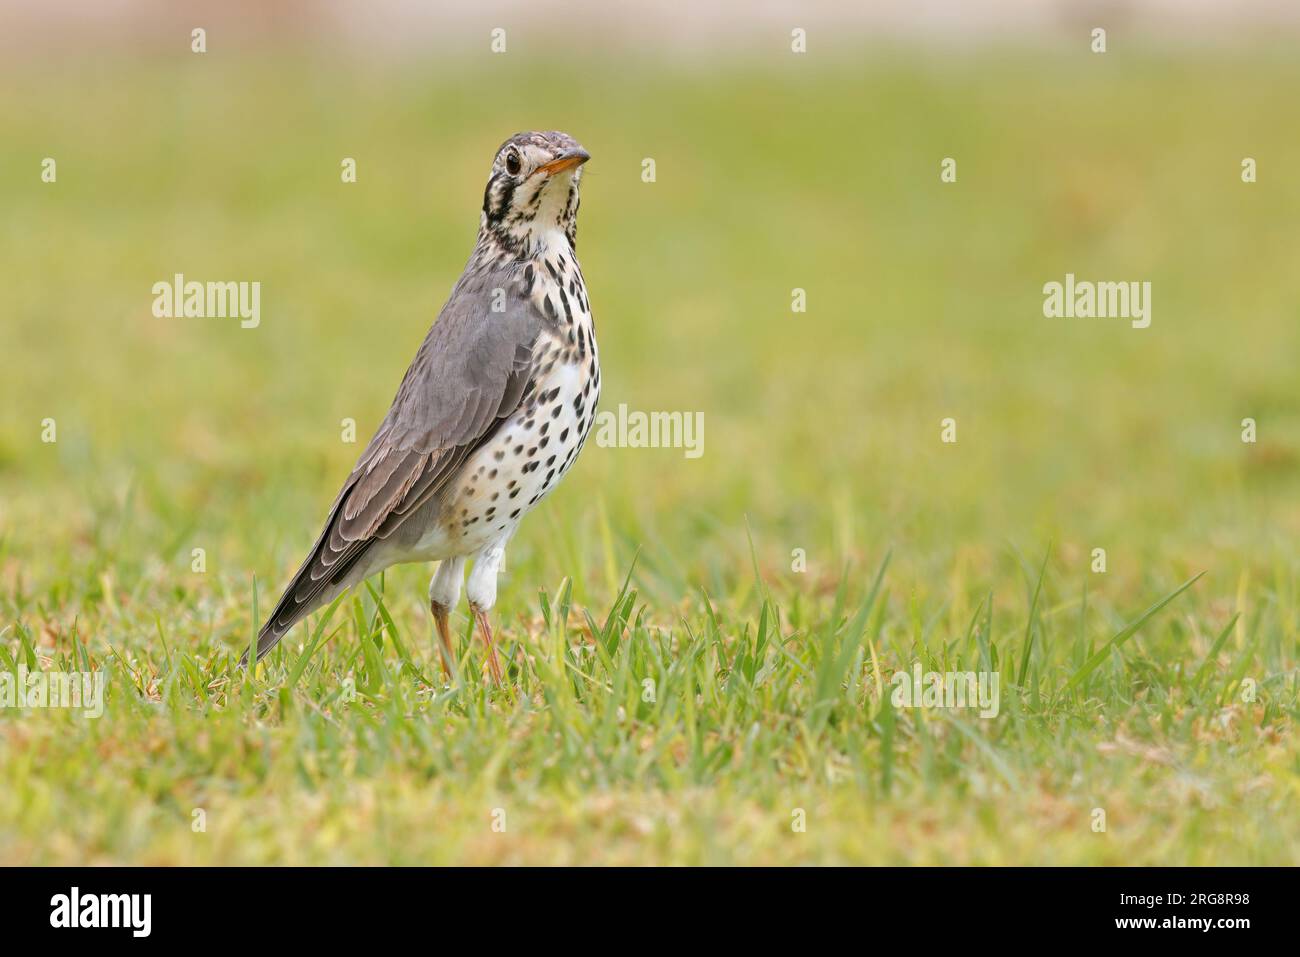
x=532 y=192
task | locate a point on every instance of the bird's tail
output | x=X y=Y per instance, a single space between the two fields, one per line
x=312 y=587
x=267 y=639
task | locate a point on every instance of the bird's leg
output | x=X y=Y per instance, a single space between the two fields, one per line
x=444 y=593
x=440 y=612
x=485 y=629
x=482 y=592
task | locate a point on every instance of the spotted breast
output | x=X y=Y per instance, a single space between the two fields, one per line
x=533 y=448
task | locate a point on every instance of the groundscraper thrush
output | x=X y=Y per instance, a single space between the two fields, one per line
x=490 y=415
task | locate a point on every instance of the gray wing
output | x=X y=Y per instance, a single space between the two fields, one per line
x=469 y=374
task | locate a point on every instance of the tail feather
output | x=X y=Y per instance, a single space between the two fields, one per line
x=267 y=639
x=317 y=584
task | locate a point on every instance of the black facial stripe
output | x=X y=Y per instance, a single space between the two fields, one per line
x=507 y=194
x=496 y=210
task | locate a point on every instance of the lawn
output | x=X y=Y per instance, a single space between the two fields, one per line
x=701 y=649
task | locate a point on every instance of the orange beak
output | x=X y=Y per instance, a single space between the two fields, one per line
x=567 y=160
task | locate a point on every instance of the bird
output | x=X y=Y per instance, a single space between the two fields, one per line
x=490 y=415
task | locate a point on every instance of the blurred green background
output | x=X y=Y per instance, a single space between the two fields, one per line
x=924 y=299
x=774 y=171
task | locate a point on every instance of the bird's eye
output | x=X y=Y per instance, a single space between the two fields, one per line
x=513 y=163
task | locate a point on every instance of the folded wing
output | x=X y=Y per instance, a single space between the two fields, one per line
x=469 y=374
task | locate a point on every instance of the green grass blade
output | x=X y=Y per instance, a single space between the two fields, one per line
x=1125 y=634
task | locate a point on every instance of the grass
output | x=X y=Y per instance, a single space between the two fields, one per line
x=1162 y=690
